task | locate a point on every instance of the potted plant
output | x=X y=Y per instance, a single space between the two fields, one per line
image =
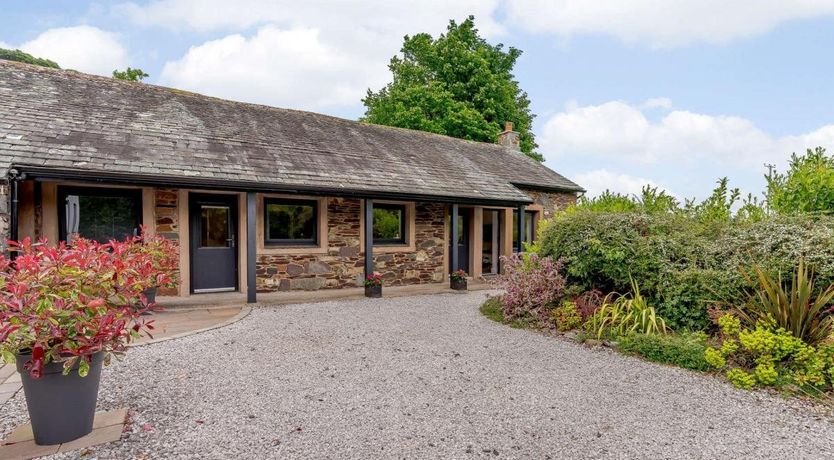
x=458 y=280
x=164 y=253
x=373 y=286
x=65 y=311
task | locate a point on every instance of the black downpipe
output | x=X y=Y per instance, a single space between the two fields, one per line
x=14 y=202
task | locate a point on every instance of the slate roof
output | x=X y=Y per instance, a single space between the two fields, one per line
x=65 y=120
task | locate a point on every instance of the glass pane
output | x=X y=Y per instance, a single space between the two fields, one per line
x=461 y=230
x=290 y=221
x=101 y=218
x=214 y=221
x=388 y=223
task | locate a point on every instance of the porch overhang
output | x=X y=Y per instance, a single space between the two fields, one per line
x=41 y=173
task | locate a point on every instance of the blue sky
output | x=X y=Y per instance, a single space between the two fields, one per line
x=675 y=93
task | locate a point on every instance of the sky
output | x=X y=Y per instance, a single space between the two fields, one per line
x=670 y=93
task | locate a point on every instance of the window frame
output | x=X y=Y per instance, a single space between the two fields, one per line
x=290 y=242
x=403 y=239
x=530 y=229
x=64 y=191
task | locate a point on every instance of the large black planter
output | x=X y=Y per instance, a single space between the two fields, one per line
x=458 y=284
x=373 y=291
x=61 y=407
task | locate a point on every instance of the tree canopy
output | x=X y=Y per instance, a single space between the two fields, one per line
x=807 y=186
x=130 y=74
x=457 y=85
x=20 y=56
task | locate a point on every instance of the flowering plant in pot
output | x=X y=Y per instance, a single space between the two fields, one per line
x=164 y=254
x=458 y=280
x=65 y=311
x=373 y=285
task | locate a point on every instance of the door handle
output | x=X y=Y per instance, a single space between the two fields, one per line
x=231 y=241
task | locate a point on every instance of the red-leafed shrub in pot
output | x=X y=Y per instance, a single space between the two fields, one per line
x=64 y=311
x=164 y=253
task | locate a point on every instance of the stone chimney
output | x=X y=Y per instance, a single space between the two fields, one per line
x=509 y=138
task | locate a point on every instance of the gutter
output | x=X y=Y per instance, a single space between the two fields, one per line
x=41 y=173
x=546 y=188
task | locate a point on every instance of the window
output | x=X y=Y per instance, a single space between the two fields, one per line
x=99 y=214
x=290 y=222
x=389 y=223
x=529 y=227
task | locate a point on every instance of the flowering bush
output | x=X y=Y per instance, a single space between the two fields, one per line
x=66 y=303
x=164 y=254
x=458 y=275
x=373 y=280
x=533 y=286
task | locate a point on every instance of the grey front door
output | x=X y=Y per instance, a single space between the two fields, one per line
x=213 y=222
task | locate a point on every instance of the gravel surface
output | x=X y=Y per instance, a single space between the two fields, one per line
x=426 y=376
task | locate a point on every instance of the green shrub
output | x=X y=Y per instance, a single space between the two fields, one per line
x=685 y=350
x=683 y=264
x=808 y=186
x=775 y=356
x=626 y=314
x=566 y=317
x=797 y=307
x=741 y=379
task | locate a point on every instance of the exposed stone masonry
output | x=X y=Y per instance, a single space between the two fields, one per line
x=551 y=202
x=343 y=264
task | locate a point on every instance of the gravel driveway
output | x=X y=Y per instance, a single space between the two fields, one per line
x=426 y=376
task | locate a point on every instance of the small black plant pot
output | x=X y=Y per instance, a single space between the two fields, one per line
x=150 y=294
x=61 y=407
x=458 y=285
x=374 y=292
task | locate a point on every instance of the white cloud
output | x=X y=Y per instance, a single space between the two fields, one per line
x=662 y=23
x=381 y=18
x=84 y=48
x=291 y=68
x=600 y=180
x=313 y=55
x=617 y=131
x=657 y=103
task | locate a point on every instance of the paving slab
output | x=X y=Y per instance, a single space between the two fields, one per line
x=20 y=443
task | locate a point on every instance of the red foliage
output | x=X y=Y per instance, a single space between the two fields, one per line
x=373 y=280
x=588 y=302
x=68 y=302
x=533 y=286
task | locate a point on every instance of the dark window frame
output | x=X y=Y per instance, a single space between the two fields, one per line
x=531 y=228
x=292 y=242
x=64 y=191
x=403 y=239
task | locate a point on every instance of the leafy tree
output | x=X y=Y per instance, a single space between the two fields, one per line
x=651 y=201
x=20 y=56
x=458 y=85
x=807 y=186
x=130 y=74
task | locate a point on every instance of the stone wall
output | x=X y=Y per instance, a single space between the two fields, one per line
x=166 y=213
x=343 y=264
x=166 y=222
x=551 y=202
